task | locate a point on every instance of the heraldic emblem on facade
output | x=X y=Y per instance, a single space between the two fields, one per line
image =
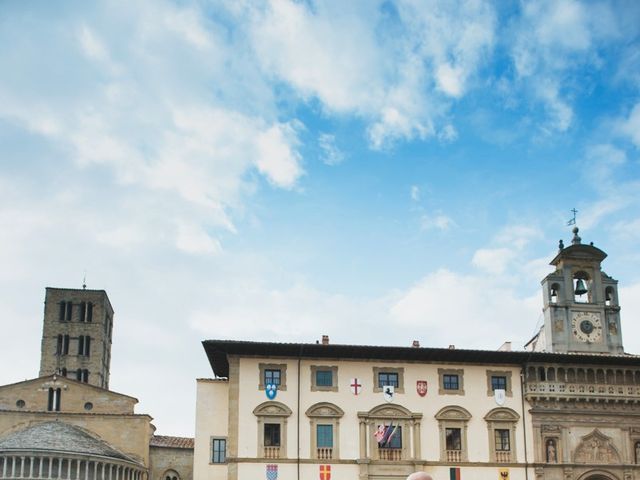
x=421 y=387
x=356 y=386
x=325 y=472
x=271 y=390
x=272 y=472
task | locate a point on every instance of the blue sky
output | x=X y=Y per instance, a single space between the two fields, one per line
x=376 y=171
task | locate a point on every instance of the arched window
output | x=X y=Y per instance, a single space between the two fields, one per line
x=554 y=293
x=501 y=424
x=581 y=287
x=389 y=431
x=452 y=422
x=272 y=429
x=324 y=420
x=170 y=475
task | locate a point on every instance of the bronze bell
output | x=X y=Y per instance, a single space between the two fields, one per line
x=581 y=287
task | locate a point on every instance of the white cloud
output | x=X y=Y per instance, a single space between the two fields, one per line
x=448 y=133
x=630 y=126
x=331 y=154
x=276 y=158
x=438 y=221
x=415 y=193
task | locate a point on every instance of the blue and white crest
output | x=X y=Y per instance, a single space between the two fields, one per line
x=271 y=390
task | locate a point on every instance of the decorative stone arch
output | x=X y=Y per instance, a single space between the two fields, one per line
x=598 y=475
x=277 y=413
x=453 y=417
x=596 y=447
x=324 y=413
x=498 y=420
x=170 y=474
x=384 y=414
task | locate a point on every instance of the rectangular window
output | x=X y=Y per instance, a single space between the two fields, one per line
x=81 y=345
x=53 y=404
x=498 y=382
x=59 y=345
x=502 y=440
x=388 y=378
x=272 y=377
x=453 y=438
x=89 y=317
x=84 y=345
x=65 y=345
x=83 y=311
x=324 y=378
x=219 y=450
x=271 y=434
x=324 y=436
x=450 y=382
x=395 y=438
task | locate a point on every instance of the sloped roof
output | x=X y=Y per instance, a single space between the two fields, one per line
x=59 y=437
x=219 y=350
x=171 y=442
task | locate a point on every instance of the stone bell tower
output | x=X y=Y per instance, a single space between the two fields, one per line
x=76 y=335
x=581 y=311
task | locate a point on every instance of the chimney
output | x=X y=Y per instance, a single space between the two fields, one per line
x=416 y=344
x=325 y=339
x=452 y=347
x=505 y=347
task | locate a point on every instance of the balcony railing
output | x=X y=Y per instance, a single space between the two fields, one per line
x=393 y=454
x=324 y=453
x=271 y=452
x=584 y=390
x=454 y=456
x=503 y=456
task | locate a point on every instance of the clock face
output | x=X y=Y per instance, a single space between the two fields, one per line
x=586 y=327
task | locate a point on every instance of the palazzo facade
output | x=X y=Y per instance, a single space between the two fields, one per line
x=566 y=408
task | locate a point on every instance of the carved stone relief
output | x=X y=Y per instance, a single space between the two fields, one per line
x=596 y=448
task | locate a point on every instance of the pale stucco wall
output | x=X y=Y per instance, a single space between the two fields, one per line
x=212 y=400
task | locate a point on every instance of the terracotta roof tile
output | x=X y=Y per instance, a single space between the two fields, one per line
x=171 y=442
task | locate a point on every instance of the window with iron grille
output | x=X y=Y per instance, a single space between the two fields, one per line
x=502 y=440
x=271 y=434
x=272 y=377
x=498 y=382
x=453 y=438
x=388 y=378
x=451 y=382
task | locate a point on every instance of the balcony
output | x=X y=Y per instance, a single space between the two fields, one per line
x=588 y=391
x=324 y=453
x=391 y=454
x=453 y=456
x=503 y=456
x=272 y=452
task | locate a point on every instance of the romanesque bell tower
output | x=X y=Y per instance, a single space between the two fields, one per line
x=581 y=311
x=76 y=335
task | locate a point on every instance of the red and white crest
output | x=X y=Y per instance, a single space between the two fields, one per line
x=325 y=472
x=421 y=387
x=356 y=386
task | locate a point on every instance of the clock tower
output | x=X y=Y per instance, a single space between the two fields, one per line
x=581 y=311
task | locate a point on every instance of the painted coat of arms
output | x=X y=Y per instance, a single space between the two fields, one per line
x=421 y=387
x=272 y=472
x=500 y=396
x=271 y=390
x=388 y=392
x=356 y=386
x=325 y=472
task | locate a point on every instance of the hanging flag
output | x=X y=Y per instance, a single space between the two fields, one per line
x=500 y=396
x=393 y=432
x=504 y=474
x=271 y=390
x=421 y=387
x=385 y=438
x=454 y=473
x=388 y=391
x=325 y=472
x=356 y=386
x=272 y=472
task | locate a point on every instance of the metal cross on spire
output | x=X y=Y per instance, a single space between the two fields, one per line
x=573 y=220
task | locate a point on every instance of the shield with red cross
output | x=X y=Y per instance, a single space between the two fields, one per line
x=325 y=472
